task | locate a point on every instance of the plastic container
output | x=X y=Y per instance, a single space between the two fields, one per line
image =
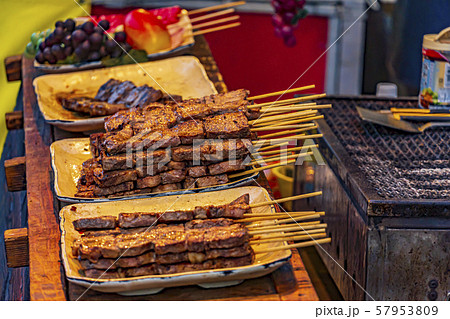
x=435 y=80
x=285 y=179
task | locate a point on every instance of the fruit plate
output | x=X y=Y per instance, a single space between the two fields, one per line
x=263 y=264
x=171 y=74
x=182 y=41
x=69 y=154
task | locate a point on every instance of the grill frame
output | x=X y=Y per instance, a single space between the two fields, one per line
x=353 y=177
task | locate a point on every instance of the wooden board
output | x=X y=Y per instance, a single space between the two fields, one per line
x=290 y=282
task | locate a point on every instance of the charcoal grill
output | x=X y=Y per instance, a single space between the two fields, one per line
x=387 y=199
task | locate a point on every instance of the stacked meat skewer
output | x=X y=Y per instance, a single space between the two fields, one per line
x=206 y=237
x=190 y=144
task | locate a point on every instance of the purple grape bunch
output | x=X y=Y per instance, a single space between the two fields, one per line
x=286 y=18
x=71 y=43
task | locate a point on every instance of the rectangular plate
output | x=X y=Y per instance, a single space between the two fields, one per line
x=69 y=154
x=181 y=46
x=183 y=76
x=263 y=264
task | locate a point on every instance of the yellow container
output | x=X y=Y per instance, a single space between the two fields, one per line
x=285 y=178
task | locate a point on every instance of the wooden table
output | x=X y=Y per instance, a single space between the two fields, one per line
x=47 y=279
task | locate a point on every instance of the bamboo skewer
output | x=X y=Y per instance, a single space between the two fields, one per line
x=284 y=121
x=300 y=245
x=286 y=139
x=277 y=220
x=289 y=132
x=286 y=199
x=278 y=158
x=223 y=27
x=258 y=169
x=271 y=146
x=279 y=215
x=274 y=125
x=280 y=127
x=293 y=149
x=216 y=7
x=288 y=101
x=212 y=15
x=295 y=107
x=287 y=235
x=262 y=96
x=293 y=238
x=286 y=229
x=214 y=22
x=269 y=117
x=281 y=228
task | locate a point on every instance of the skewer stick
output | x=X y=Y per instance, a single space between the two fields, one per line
x=277 y=220
x=270 y=118
x=293 y=149
x=283 y=121
x=280 y=127
x=286 y=229
x=289 y=132
x=223 y=27
x=271 y=146
x=289 y=234
x=216 y=7
x=293 y=238
x=218 y=21
x=273 y=125
x=288 y=101
x=259 y=169
x=287 y=139
x=300 y=245
x=278 y=158
x=212 y=15
x=296 y=107
x=262 y=96
x=282 y=227
x=279 y=215
x=286 y=199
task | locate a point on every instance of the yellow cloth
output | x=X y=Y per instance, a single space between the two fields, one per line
x=18 y=20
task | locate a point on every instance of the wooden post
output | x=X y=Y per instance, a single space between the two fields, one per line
x=16 y=247
x=13 y=67
x=15 y=171
x=14 y=120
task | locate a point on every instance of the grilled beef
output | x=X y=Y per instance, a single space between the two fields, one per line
x=95 y=223
x=112 y=178
x=166 y=188
x=226 y=167
x=212 y=180
x=228 y=125
x=196 y=171
x=103 y=191
x=148 y=182
x=189 y=131
x=173 y=176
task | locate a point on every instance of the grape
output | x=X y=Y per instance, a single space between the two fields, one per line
x=102 y=51
x=289 y=5
x=94 y=56
x=58 y=34
x=98 y=30
x=120 y=36
x=277 y=20
x=290 y=41
x=69 y=24
x=96 y=41
x=110 y=45
x=79 y=36
x=56 y=49
x=288 y=17
x=80 y=53
x=286 y=31
x=85 y=46
x=67 y=40
x=59 y=24
x=126 y=47
x=277 y=31
x=116 y=53
x=277 y=6
x=47 y=53
x=35 y=38
x=104 y=24
x=68 y=51
x=41 y=44
x=88 y=27
x=40 y=57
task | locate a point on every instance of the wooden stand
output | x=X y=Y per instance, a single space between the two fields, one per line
x=47 y=280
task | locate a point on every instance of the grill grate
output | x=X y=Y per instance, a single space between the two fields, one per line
x=396 y=164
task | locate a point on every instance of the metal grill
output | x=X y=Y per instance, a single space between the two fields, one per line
x=396 y=164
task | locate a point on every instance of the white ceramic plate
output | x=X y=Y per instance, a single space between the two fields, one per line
x=263 y=264
x=69 y=154
x=183 y=76
x=182 y=46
